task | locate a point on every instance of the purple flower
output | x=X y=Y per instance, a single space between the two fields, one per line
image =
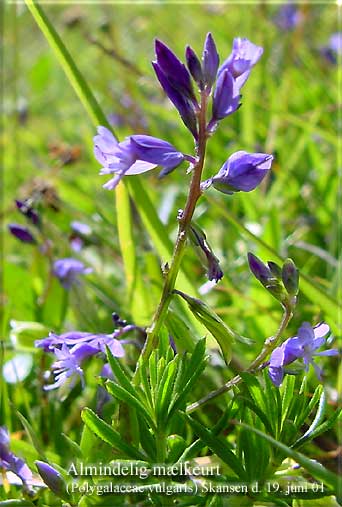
x=80 y=228
x=243 y=57
x=73 y=348
x=136 y=154
x=288 y=17
x=10 y=461
x=242 y=171
x=22 y=233
x=304 y=347
x=68 y=270
x=226 y=97
x=28 y=211
x=335 y=43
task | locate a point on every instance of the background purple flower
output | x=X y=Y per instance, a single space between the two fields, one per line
x=9 y=461
x=68 y=270
x=73 y=348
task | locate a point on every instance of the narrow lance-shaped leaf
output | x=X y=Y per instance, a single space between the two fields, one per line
x=109 y=435
x=224 y=336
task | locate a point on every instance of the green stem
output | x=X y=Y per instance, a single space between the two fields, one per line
x=161 y=447
x=184 y=224
x=269 y=345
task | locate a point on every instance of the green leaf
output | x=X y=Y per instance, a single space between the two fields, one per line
x=224 y=336
x=218 y=446
x=165 y=390
x=123 y=395
x=119 y=372
x=137 y=295
x=317 y=420
x=318 y=430
x=73 y=446
x=25 y=333
x=109 y=435
x=317 y=470
x=32 y=436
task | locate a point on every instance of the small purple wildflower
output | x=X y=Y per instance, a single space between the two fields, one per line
x=10 y=461
x=73 y=348
x=288 y=17
x=135 y=155
x=80 y=228
x=242 y=171
x=68 y=270
x=239 y=63
x=335 y=43
x=303 y=346
x=22 y=233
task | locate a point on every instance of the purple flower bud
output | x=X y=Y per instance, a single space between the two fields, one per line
x=243 y=57
x=266 y=277
x=242 y=171
x=174 y=71
x=68 y=270
x=210 y=61
x=275 y=269
x=226 y=96
x=28 y=211
x=22 y=233
x=259 y=269
x=52 y=479
x=199 y=239
x=182 y=104
x=290 y=277
x=194 y=66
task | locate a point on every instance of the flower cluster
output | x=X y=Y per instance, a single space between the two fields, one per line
x=303 y=346
x=9 y=461
x=73 y=348
x=140 y=153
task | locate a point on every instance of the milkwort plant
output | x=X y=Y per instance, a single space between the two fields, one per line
x=147 y=419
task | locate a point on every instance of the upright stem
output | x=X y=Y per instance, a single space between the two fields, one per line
x=184 y=223
x=257 y=364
